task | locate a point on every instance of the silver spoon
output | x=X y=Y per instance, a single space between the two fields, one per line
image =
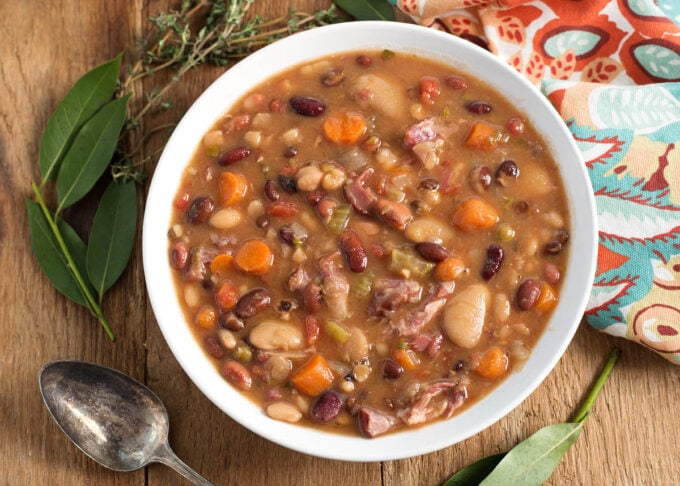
x=112 y=418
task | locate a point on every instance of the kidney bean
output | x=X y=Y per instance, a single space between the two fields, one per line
x=213 y=347
x=252 y=303
x=391 y=369
x=396 y=215
x=433 y=252
x=288 y=184
x=327 y=407
x=528 y=293
x=314 y=197
x=333 y=77
x=354 y=251
x=494 y=260
x=283 y=209
x=233 y=155
x=455 y=82
x=237 y=374
x=307 y=106
x=325 y=207
x=479 y=107
x=293 y=234
x=271 y=191
x=311 y=298
x=200 y=209
x=507 y=172
x=480 y=178
x=229 y=321
x=515 y=126
x=551 y=273
x=364 y=60
x=179 y=255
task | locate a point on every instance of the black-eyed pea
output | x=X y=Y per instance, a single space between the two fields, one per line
x=283 y=411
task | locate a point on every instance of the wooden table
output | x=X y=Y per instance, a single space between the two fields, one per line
x=633 y=436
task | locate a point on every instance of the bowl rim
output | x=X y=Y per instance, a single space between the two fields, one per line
x=306 y=46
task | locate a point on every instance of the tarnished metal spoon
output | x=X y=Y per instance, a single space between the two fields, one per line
x=112 y=418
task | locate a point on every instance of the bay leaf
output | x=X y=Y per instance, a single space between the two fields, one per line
x=50 y=256
x=92 y=91
x=367 y=9
x=532 y=461
x=112 y=235
x=90 y=153
x=474 y=473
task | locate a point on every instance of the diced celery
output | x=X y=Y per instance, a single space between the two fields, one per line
x=364 y=284
x=339 y=218
x=408 y=263
x=338 y=333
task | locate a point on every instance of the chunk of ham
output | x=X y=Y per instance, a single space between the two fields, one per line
x=426 y=139
x=359 y=195
x=200 y=260
x=438 y=399
x=297 y=280
x=408 y=322
x=390 y=293
x=373 y=423
x=334 y=285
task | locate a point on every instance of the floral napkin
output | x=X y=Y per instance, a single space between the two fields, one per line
x=612 y=70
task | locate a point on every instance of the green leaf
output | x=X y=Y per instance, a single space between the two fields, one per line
x=367 y=9
x=112 y=235
x=49 y=254
x=532 y=461
x=474 y=473
x=86 y=97
x=90 y=153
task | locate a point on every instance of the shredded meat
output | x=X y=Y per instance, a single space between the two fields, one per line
x=390 y=293
x=297 y=280
x=200 y=259
x=359 y=195
x=409 y=323
x=438 y=399
x=334 y=285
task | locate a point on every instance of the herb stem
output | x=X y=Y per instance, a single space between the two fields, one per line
x=92 y=304
x=584 y=411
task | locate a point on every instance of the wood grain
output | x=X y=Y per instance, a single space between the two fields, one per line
x=633 y=436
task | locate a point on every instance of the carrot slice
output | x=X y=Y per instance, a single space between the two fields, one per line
x=344 y=128
x=313 y=377
x=494 y=363
x=406 y=358
x=221 y=264
x=474 y=214
x=207 y=317
x=233 y=188
x=449 y=269
x=484 y=136
x=547 y=299
x=254 y=257
x=227 y=295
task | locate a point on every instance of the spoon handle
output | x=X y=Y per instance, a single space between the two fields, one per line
x=170 y=459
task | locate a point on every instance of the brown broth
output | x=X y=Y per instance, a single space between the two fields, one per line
x=532 y=229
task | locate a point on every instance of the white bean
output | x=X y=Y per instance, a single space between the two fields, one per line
x=214 y=138
x=192 y=296
x=464 y=316
x=276 y=336
x=356 y=345
x=227 y=338
x=253 y=138
x=279 y=368
x=501 y=307
x=283 y=411
x=428 y=229
x=225 y=218
x=333 y=179
x=308 y=178
x=291 y=136
x=385 y=158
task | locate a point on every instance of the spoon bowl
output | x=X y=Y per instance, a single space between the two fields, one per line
x=112 y=418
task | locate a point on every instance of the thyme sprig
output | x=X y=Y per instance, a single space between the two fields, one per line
x=198 y=33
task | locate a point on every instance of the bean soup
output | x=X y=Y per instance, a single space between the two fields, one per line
x=368 y=242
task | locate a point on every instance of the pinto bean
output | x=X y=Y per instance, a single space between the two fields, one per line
x=179 y=255
x=327 y=407
x=229 y=321
x=354 y=251
x=252 y=303
x=276 y=336
x=527 y=293
x=200 y=210
x=213 y=347
x=237 y=374
x=311 y=298
x=396 y=215
x=307 y=106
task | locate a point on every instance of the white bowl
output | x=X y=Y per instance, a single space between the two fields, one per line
x=306 y=46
